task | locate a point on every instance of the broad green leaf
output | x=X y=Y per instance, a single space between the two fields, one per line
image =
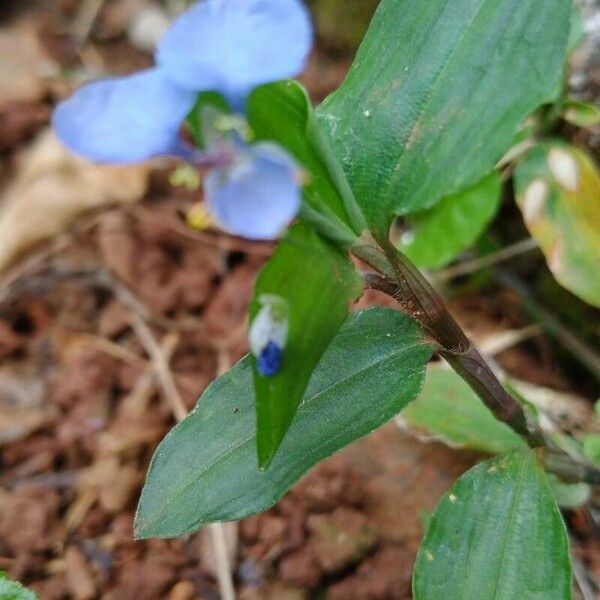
x=12 y=590
x=282 y=112
x=496 y=535
x=433 y=237
x=582 y=114
x=318 y=282
x=447 y=407
x=558 y=192
x=205 y=469
x=436 y=94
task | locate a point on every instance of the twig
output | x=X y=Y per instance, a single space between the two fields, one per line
x=579 y=572
x=134 y=404
x=128 y=298
x=225 y=242
x=217 y=531
x=495 y=344
x=109 y=347
x=161 y=366
x=580 y=350
x=471 y=266
x=82 y=26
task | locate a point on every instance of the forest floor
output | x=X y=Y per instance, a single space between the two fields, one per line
x=83 y=404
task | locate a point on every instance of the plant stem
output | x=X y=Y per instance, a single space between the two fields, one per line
x=419 y=299
x=472 y=367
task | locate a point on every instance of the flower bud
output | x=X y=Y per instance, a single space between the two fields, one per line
x=268 y=334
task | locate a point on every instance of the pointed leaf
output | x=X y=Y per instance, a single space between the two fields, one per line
x=447 y=407
x=205 y=469
x=558 y=192
x=318 y=282
x=496 y=535
x=282 y=112
x=436 y=94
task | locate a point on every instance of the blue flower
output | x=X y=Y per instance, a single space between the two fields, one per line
x=268 y=334
x=235 y=45
x=228 y=46
x=261 y=180
x=125 y=119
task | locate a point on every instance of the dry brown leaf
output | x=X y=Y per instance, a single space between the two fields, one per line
x=569 y=411
x=22 y=410
x=23 y=64
x=115 y=483
x=53 y=188
x=80 y=579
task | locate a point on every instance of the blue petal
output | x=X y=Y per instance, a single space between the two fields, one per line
x=269 y=361
x=234 y=45
x=126 y=119
x=257 y=197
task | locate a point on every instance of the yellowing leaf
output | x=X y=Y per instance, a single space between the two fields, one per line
x=558 y=192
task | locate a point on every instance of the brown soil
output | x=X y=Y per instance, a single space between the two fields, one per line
x=81 y=413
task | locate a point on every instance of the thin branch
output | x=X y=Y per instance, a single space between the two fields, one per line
x=472 y=266
x=223 y=566
x=577 y=347
x=161 y=367
x=84 y=21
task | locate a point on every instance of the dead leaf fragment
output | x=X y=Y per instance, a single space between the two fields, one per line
x=22 y=75
x=53 y=188
x=80 y=579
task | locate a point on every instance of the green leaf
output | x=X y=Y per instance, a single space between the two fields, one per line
x=436 y=94
x=434 y=237
x=12 y=590
x=569 y=495
x=591 y=447
x=318 y=282
x=558 y=192
x=496 y=535
x=282 y=112
x=581 y=114
x=205 y=469
x=447 y=407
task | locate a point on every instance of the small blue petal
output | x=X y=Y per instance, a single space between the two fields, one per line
x=269 y=361
x=234 y=45
x=257 y=197
x=126 y=119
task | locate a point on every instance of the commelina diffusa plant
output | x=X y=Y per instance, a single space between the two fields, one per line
x=402 y=165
